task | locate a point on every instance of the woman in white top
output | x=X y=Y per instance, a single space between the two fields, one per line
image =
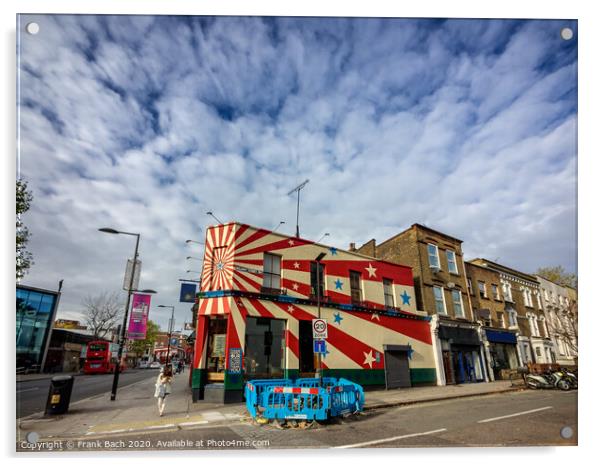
x=163 y=387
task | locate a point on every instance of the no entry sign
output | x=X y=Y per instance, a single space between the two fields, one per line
x=320 y=329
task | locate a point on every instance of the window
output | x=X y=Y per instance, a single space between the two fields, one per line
x=271 y=271
x=538 y=351
x=527 y=297
x=501 y=319
x=538 y=300
x=495 y=292
x=433 y=256
x=355 y=279
x=439 y=300
x=451 y=262
x=469 y=281
x=512 y=320
x=458 y=306
x=482 y=290
x=507 y=290
x=314 y=279
x=542 y=322
x=533 y=325
x=389 y=297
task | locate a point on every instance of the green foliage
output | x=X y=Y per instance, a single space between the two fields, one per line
x=139 y=346
x=24 y=257
x=558 y=275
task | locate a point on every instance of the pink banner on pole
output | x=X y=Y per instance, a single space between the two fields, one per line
x=139 y=316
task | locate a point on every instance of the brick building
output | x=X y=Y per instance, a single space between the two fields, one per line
x=441 y=291
x=524 y=308
x=499 y=328
x=562 y=326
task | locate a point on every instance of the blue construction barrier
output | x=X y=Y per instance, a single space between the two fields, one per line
x=255 y=388
x=307 y=403
x=346 y=398
x=303 y=399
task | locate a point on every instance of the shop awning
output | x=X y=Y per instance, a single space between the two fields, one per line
x=500 y=336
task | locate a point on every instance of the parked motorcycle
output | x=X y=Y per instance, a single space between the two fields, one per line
x=571 y=377
x=548 y=380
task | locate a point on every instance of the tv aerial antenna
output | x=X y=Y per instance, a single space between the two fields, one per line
x=298 y=189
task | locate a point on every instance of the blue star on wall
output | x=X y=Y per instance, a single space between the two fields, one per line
x=338 y=284
x=333 y=251
x=405 y=297
x=337 y=318
x=410 y=351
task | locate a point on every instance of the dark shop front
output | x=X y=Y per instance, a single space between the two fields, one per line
x=461 y=351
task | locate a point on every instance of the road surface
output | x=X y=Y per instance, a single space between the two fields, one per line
x=32 y=395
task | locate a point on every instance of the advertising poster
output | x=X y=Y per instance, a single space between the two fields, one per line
x=139 y=316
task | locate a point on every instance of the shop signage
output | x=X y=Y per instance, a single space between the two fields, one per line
x=320 y=346
x=320 y=329
x=235 y=361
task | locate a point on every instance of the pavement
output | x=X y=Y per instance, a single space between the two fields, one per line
x=135 y=409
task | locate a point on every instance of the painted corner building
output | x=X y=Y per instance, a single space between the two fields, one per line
x=259 y=294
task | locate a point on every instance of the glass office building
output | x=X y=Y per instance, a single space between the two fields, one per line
x=35 y=314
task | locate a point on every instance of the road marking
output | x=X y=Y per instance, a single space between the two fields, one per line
x=28 y=389
x=390 y=439
x=515 y=414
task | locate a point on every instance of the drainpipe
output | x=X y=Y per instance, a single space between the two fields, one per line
x=437 y=353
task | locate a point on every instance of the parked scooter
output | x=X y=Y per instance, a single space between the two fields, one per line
x=571 y=377
x=549 y=380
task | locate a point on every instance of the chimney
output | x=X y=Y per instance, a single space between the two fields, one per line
x=352 y=247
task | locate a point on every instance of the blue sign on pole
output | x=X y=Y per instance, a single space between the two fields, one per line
x=187 y=292
x=320 y=346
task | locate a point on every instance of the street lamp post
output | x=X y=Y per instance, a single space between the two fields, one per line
x=170 y=331
x=318 y=260
x=127 y=307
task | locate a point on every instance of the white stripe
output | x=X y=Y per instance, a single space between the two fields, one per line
x=390 y=439
x=193 y=423
x=516 y=414
x=28 y=389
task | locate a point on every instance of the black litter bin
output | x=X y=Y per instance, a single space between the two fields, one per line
x=59 y=394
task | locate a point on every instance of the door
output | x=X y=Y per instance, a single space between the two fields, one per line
x=397 y=369
x=306 y=349
x=447 y=367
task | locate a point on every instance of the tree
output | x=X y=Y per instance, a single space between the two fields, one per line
x=24 y=257
x=564 y=326
x=139 y=346
x=102 y=313
x=558 y=275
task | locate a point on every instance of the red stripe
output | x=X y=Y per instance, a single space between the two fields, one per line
x=417 y=329
x=214 y=306
x=249 y=261
x=274 y=246
x=248 y=280
x=289 y=264
x=241 y=229
x=302 y=288
x=254 y=237
x=263 y=312
x=292 y=342
x=352 y=347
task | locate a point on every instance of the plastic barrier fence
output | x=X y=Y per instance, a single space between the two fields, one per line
x=314 y=382
x=254 y=389
x=344 y=399
x=306 y=403
x=358 y=389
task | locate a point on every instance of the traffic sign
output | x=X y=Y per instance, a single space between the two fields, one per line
x=320 y=329
x=320 y=346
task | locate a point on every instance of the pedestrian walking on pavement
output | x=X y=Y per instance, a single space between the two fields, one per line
x=163 y=387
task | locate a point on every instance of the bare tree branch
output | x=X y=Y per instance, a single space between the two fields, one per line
x=102 y=312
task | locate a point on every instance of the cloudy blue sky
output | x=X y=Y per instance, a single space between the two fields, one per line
x=145 y=123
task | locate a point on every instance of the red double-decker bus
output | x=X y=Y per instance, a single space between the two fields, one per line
x=101 y=357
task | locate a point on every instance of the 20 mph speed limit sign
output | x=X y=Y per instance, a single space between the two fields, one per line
x=320 y=328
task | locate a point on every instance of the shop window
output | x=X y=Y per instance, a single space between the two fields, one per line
x=264 y=348
x=355 y=283
x=388 y=289
x=216 y=348
x=433 y=253
x=271 y=272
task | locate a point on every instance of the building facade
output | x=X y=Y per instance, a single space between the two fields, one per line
x=441 y=288
x=560 y=317
x=36 y=309
x=524 y=308
x=499 y=328
x=260 y=291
